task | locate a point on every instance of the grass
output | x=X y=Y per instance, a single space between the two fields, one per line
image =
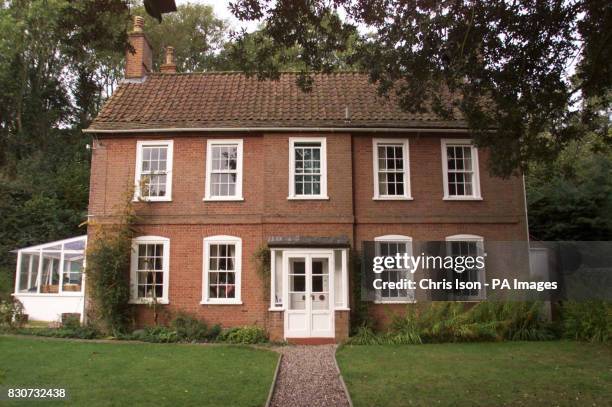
x=117 y=374
x=556 y=373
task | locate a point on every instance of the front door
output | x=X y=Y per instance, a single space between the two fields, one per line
x=308 y=278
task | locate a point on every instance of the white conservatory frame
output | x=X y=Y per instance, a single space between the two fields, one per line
x=49 y=306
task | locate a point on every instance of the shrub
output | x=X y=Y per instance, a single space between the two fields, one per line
x=155 y=334
x=364 y=335
x=80 y=332
x=587 y=321
x=452 y=322
x=71 y=321
x=244 y=335
x=189 y=328
x=108 y=265
x=11 y=313
x=214 y=332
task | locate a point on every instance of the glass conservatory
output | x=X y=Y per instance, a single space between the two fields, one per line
x=49 y=280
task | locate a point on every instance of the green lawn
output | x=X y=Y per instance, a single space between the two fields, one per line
x=555 y=373
x=134 y=374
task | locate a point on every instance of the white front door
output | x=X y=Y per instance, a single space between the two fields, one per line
x=308 y=279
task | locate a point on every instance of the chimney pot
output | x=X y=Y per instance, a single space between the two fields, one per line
x=138 y=24
x=169 y=66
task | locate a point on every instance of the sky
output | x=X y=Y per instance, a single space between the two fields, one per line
x=222 y=11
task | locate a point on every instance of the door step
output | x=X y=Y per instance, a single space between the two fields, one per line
x=311 y=341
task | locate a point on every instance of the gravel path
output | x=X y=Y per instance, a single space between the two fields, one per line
x=308 y=377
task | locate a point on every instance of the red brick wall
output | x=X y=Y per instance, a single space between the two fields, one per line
x=265 y=211
x=140 y=62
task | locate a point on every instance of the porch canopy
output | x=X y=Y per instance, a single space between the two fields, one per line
x=308 y=241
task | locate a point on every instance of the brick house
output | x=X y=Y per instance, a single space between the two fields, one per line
x=225 y=164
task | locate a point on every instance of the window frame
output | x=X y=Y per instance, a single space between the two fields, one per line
x=222 y=239
x=138 y=173
x=480 y=251
x=407 y=196
x=239 y=170
x=292 y=142
x=394 y=239
x=134 y=299
x=476 y=193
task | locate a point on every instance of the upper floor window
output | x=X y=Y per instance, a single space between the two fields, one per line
x=391 y=169
x=224 y=170
x=308 y=168
x=222 y=270
x=150 y=267
x=460 y=169
x=154 y=170
x=391 y=245
x=467 y=246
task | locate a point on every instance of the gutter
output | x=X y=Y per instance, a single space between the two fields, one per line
x=283 y=129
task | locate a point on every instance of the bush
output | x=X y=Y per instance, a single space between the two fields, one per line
x=243 y=335
x=108 y=265
x=80 y=332
x=71 y=321
x=191 y=329
x=11 y=313
x=587 y=321
x=183 y=328
x=364 y=335
x=154 y=334
x=452 y=322
x=214 y=332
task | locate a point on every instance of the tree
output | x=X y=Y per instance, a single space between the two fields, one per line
x=257 y=52
x=55 y=58
x=194 y=31
x=571 y=198
x=523 y=68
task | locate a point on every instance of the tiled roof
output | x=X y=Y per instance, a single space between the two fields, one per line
x=234 y=100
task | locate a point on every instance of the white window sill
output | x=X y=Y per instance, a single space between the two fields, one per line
x=231 y=302
x=224 y=199
x=342 y=309
x=169 y=199
x=308 y=198
x=64 y=294
x=276 y=309
x=462 y=198
x=392 y=198
x=143 y=301
x=395 y=302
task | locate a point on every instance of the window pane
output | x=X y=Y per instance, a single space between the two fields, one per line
x=28 y=273
x=49 y=283
x=73 y=268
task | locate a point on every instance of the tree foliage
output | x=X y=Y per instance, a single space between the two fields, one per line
x=197 y=35
x=108 y=265
x=56 y=59
x=571 y=198
x=524 y=68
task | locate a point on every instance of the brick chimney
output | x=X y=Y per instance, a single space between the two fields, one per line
x=169 y=66
x=138 y=64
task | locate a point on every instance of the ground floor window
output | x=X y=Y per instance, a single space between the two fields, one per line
x=222 y=267
x=390 y=245
x=464 y=246
x=150 y=266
